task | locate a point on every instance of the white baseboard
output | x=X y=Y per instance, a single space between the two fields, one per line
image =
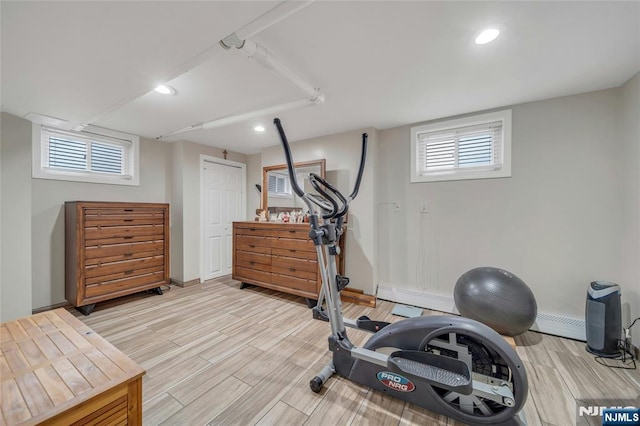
x=558 y=325
x=545 y=323
x=421 y=299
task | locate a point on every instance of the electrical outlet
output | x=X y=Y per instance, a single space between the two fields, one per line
x=424 y=207
x=396 y=207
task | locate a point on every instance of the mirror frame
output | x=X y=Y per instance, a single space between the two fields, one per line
x=265 y=172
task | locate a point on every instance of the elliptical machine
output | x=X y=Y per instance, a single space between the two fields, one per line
x=454 y=366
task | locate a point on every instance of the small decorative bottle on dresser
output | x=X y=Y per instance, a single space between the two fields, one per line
x=114 y=249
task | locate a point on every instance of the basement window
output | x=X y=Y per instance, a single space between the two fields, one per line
x=279 y=186
x=93 y=155
x=475 y=147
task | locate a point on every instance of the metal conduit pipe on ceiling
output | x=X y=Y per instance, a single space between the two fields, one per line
x=265 y=58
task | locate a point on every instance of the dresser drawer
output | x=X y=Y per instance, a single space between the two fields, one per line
x=283 y=231
x=124 y=240
x=253 y=258
x=296 y=272
x=92 y=214
x=294 y=283
x=255 y=231
x=94 y=233
x=253 y=265
x=292 y=244
x=124 y=284
x=123 y=220
x=125 y=256
x=295 y=233
x=298 y=264
x=255 y=244
x=124 y=274
x=247 y=274
x=103 y=269
x=300 y=254
x=122 y=249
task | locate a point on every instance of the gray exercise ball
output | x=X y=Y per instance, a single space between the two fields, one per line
x=496 y=298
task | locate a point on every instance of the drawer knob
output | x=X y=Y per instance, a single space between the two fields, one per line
x=292 y=269
x=252 y=245
x=128 y=210
x=128 y=254
x=129 y=271
x=293 y=231
x=252 y=262
x=128 y=220
x=128 y=237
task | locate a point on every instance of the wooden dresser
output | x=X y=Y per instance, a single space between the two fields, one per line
x=114 y=249
x=55 y=370
x=279 y=256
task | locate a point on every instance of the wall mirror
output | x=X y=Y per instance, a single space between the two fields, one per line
x=277 y=194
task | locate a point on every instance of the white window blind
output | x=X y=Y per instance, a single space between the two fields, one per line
x=468 y=148
x=85 y=152
x=279 y=185
x=93 y=155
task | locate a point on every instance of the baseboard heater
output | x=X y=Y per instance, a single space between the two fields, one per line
x=557 y=325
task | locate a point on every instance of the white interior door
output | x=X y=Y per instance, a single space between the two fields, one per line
x=222 y=201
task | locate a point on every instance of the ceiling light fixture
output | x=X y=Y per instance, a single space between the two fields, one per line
x=259 y=129
x=165 y=90
x=487 y=36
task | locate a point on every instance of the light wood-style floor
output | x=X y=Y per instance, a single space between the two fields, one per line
x=215 y=354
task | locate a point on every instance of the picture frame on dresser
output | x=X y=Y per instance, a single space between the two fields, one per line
x=114 y=249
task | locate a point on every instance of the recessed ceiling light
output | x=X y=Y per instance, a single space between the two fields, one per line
x=165 y=90
x=259 y=129
x=487 y=36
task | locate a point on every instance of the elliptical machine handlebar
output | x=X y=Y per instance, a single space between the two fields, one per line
x=336 y=211
x=315 y=181
x=324 y=196
x=363 y=159
x=287 y=153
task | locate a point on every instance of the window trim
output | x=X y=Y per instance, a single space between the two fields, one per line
x=457 y=174
x=41 y=172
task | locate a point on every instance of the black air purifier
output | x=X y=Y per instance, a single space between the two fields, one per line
x=603 y=319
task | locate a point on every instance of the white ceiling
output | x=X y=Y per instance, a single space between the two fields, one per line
x=380 y=64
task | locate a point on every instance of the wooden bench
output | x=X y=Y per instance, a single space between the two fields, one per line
x=56 y=370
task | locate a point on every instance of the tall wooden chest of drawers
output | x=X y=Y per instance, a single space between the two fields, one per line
x=279 y=256
x=114 y=249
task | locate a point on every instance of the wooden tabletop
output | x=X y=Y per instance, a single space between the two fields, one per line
x=50 y=362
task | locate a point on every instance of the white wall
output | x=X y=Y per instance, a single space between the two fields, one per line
x=15 y=192
x=189 y=169
x=33 y=215
x=254 y=176
x=47 y=214
x=176 y=210
x=342 y=155
x=631 y=204
x=1 y=289
x=556 y=223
